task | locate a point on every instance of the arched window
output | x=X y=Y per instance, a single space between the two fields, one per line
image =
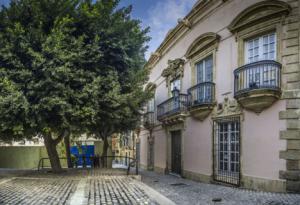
x=257 y=31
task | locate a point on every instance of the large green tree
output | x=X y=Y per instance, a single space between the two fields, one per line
x=69 y=66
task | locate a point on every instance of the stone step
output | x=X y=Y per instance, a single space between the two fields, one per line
x=293 y=186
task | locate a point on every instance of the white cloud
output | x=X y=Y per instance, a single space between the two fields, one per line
x=162 y=17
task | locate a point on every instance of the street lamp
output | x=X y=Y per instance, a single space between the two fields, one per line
x=175 y=92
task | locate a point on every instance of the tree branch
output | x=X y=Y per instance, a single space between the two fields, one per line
x=61 y=136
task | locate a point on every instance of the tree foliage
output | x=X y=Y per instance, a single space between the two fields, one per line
x=69 y=66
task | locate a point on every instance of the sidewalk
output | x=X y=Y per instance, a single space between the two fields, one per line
x=187 y=192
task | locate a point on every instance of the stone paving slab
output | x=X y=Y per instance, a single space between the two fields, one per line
x=187 y=192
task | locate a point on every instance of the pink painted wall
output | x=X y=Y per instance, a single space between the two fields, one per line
x=143 y=147
x=160 y=145
x=261 y=143
x=260 y=133
x=197 y=153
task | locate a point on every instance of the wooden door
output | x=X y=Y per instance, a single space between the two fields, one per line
x=176 y=152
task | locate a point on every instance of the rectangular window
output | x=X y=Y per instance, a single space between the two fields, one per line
x=204 y=74
x=261 y=48
x=175 y=84
x=204 y=69
x=151 y=105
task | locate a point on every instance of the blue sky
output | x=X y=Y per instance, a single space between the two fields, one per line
x=160 y=15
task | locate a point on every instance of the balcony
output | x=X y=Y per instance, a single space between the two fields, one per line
x=172 y=110
x=201 y=100
x=257 y=85
x=149 y=120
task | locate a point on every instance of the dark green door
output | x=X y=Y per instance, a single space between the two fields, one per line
x=176 y=152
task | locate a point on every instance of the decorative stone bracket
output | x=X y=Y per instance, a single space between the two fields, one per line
x=174 y=119
x=258 y=100
x=201 y=112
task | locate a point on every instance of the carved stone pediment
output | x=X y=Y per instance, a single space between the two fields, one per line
x=201 y=43
x=259 y=12
x=227 y=108
x=174 y=70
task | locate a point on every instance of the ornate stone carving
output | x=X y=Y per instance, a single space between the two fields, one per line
x=259 y=13
x=185 y=22
x=174 y=70
x=174 y=119
x=203 y=42
x=227 y=108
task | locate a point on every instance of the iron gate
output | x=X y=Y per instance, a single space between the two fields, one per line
x=227 y=150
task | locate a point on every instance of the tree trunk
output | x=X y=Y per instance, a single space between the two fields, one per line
x=105 y=146
x=104 y=153
x=52 y=153
x=68 y=152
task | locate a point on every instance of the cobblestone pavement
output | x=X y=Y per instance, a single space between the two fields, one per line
x=115 y=190
x=36 y=191
x=187 y=192
x=100 y=187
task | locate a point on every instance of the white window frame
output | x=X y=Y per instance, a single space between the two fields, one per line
x=260 y=47
x=204 y=93
x=204 y=74
x=173 y=84
x=151 y=105
x=256 y=76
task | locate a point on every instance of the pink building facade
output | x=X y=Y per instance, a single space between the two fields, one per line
x=226 y=83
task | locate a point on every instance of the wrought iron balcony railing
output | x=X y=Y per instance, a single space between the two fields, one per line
x=201 y=94
x=172 y=106
x=149 y=119
x=264 y=74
